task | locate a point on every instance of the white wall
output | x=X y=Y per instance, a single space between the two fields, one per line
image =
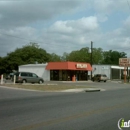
x=38 y=69
x=102 y=69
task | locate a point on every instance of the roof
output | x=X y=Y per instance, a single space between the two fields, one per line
x=33 y=65
x=68 y=66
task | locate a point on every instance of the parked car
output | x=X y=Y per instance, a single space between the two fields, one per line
x=100 y=77
x=28 y=77
x=9 y=76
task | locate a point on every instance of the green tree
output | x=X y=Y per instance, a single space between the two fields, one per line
x=29 y=54
x=54 y=57
x=81 y=55
x=65 y=57
x=84 y=55
x=112 y=57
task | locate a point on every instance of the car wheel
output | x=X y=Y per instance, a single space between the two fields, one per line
x=24 y=81
x=104 y=80
x=40 y=81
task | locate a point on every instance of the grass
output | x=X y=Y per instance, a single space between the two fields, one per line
x=44 y=87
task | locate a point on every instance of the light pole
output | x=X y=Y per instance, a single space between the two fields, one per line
x=91 y=56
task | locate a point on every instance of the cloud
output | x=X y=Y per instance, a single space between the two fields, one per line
x=63 y=25
x=23 y=13
x=109 y=6
x=74 y=26
x=127 y=23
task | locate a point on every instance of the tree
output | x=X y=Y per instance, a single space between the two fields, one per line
x=97 y=55
x=65 y=56
x=83 y=55
x=54 y=57
x=112 y=57
x=29 y=54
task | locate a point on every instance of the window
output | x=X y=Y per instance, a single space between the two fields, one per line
x=24 y=74
x=30 y=75
x=34 y=75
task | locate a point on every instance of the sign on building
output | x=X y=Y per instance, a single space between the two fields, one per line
x=81 y=65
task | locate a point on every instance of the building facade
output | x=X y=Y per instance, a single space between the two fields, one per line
x=59 y=71
x=68 y=71
x=39 y=69
x=112 y=71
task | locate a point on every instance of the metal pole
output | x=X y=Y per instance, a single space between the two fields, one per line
x=124 y=74
x=14 y=78
x=2 y=79
x=91 y=56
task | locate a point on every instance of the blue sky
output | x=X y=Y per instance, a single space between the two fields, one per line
x=60 y=26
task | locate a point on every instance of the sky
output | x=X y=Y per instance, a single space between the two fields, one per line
x=60 y=26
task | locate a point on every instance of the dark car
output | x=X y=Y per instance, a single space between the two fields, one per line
x=100 y=77
x=28 y=77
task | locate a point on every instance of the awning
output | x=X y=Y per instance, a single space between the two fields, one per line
x=68 y=66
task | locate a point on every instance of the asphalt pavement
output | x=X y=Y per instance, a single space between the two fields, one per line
x=32 y=110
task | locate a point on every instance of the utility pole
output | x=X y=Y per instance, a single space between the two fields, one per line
x=91 y=56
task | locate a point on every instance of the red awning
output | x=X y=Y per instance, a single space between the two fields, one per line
x=68 y=66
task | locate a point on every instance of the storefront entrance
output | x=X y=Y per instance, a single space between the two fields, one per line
x=67 y=75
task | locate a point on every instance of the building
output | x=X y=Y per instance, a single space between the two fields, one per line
x=60 y=71
x=112 y=72
x=65 y=71
x=39 y=69
x=68 y=71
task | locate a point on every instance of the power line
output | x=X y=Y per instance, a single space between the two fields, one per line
x=54 y=45
x=63 y=45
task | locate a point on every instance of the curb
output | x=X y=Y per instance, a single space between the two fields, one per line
x=83 y=90
x=94 y=90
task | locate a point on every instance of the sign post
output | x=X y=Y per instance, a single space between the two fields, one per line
x=124 y=62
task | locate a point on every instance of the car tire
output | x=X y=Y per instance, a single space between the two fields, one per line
x=40 y=81
x=104 y=80
x=24 y=81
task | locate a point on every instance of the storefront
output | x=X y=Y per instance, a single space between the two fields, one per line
x=68 y=71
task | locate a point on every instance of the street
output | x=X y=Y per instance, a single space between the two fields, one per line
x=32 y=110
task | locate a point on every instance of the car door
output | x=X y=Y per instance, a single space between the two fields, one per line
x=35 y=78
x=29 y=77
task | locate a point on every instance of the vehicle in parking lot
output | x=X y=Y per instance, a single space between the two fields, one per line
x=100 y=77
x=28 y=77
x=9 y=76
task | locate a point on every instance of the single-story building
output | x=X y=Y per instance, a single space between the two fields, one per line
x=38 y=69
x=65 y=71
x=61 y=71
x=112 y=71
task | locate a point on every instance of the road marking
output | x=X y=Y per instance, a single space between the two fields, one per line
x=76 y=116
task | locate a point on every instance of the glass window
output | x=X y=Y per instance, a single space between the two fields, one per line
x=24 y=74
x=30 y=75
x=34 y=75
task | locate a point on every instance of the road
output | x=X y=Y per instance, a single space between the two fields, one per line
x=29 y=110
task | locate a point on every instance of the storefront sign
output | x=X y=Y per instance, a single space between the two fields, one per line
x=125 y=62
x=81 y=66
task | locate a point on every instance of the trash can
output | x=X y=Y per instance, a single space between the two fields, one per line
x=73 y=78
